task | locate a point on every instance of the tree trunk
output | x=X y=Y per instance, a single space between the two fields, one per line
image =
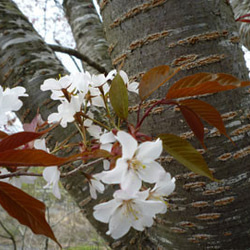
x=26 y=60
x=202 y=35
x=88 y=32
x=202 y=214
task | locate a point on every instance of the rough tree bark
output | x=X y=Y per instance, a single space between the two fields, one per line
x=88 y=32
x=203 y=214
x=202 y=35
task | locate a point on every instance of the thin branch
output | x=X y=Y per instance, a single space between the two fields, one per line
x=80 y=56
x=15 y=174
x=74 y=171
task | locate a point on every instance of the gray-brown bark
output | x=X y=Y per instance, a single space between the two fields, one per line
x=201 y=34
x=88 y=32
x=202 y=214
x=26 y=60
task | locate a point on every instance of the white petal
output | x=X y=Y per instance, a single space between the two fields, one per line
x=133 y=87
x=131 y=182
x=98 y=101
x=111 y=75
x=150 y=207
x=107 y=138
x=98 y=80
x=103 y=211
x=151 y=172
x=56 y=191
x=115 y=175
x=148 y=151
x=92 y=191
x=49 y=84
x=128 y=143
x=40 y=144
x=124 y=76
x=95 y=131
x=106 y=164
x=119 y=224
x=107 y=147
x=165 y=185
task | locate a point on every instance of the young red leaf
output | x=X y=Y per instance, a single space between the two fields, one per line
x=203 y=83
x=18 y=139
x=154 y=78
x=98 y=153
x=186 y=154
x=207 y=112
x=3 y=134
x=26 y=209
x=194 y=123
x=32 y=157
x=118 y=95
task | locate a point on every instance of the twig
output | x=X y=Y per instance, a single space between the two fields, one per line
x=74 y=171
x=80 y=56
x=15 y=174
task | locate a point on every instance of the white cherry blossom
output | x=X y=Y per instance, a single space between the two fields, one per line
x=137 y=163
x=164 y=186
x=66 y=111
x=9 y=101
x=50 y=174
x=95 y=185
x=56 y=86
x=131 y=86
x=127 y=210
x=107 y=140
x=92 y=129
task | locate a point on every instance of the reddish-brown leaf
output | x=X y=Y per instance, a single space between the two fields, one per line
x=207 y=112
x=194 y=123
x=98 y=153
x=18 y=139
x=26 y=209
x=203 y=83
x=154 y=78
x=32 y=157
x=3 y=134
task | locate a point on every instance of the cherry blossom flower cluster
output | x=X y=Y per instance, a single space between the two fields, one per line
x=143 y=185
x=134 y=204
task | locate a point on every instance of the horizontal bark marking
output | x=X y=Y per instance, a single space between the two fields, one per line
x=136 y=10
x=242 y=130
x=193 y=185
x=242 y=153
x=225 y=157
x=204 y=61
x=148 y=39
x=184 y=60
x=191 y=40
x=208 y=216
x=224 y=201
x=216 y=191
x=199 y=204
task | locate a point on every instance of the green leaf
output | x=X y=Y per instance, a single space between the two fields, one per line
x=186 y=154
x=118 y=95
x=26 y=209
x=154 y=78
